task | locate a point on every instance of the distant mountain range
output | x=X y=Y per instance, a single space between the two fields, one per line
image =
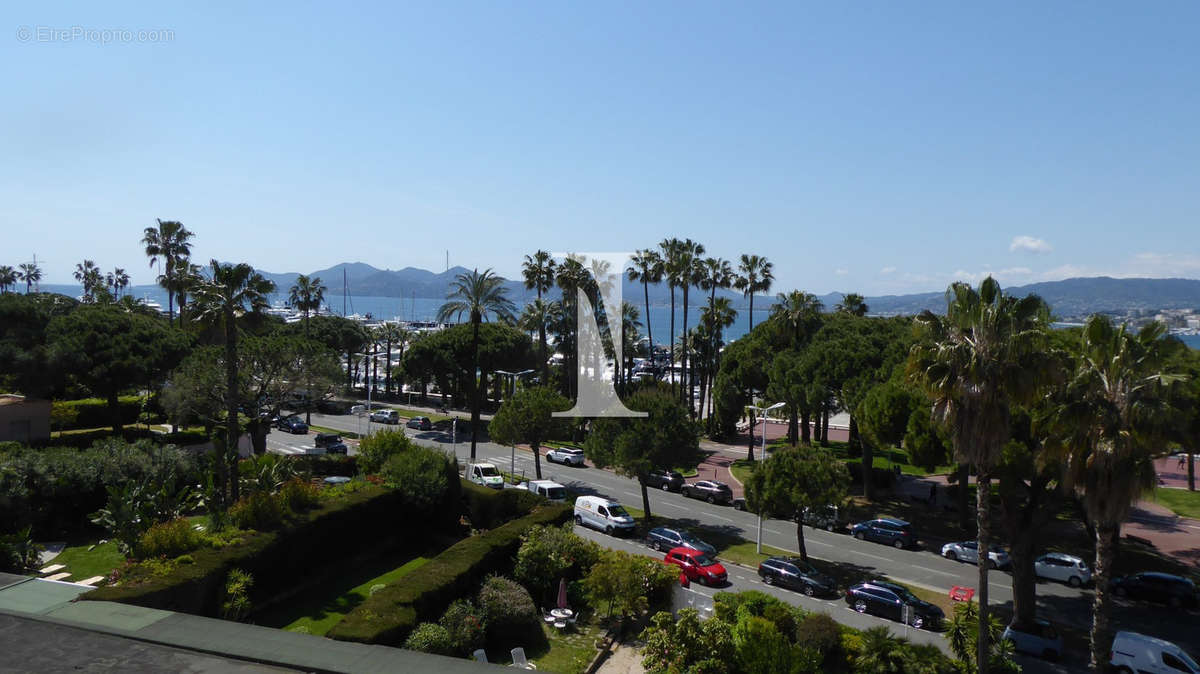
x=1069 y=298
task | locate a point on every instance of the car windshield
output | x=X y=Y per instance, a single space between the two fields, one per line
x=556 y=493
x=688 y=538
x=1188 y=660
x=905 y=595
x=488 y=471
x=617 y=511
x=704 y=560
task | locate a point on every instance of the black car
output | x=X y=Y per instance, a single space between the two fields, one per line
x=1175 y=591
x=292 y=424
x=708 y=490
x=897 y=533
x=330 y=442
x=796 y=574
x=667 y=480
x=665 y=538
x=889 y=600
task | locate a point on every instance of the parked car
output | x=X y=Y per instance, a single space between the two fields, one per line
x=665 y=538
x=330 y=442
x=1038 y=638
x=1165 y=588
x=697 y=566
x=708 y=490
x=567 y=456
x=889 y=601
x=828 y=517
x=1133 y=652
x=1064 y=568
x=485 y=475
x=968 y=551
x=600 y=513
x=293 y=424
x=420 y=423
x=892 y=532
x=796 y=574
x=739 y=503
x=385 y=417
x=666 y=480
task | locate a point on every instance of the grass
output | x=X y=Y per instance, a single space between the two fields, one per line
x=570 y=652
x=345 y=434
x=83 y=563
x=316 y=612
x=1181 y=501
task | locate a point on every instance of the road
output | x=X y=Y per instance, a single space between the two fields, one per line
x=926 y=568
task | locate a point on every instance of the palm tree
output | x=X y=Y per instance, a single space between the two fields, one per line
x=797 y=312
x=118 y=280
x=1112 y=421
x=853 y=304
x=881 y=652
x=755 y=277
x=170 y=240
x=979 y=360
x=8 y=278
x=30 y=273
x=692 y=273
x=538 y=271
x=570 y=277
x=232 y=292
x=188 y=278
x=306 y=295
x=477 y=295
x=672 y=272
x=716 y=317
x=89 y=276
x=647 y=267
x=392 y=335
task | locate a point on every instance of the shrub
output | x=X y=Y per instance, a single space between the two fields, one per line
x=171 y=539
x=510 y=614
x=489 y=508
x=260 y=510
x=629 y=584
x=18 y=552
x=551 y=553
x=374 y=450
x=424 y=476
x=466 y=626
x=237 y=595
x=821 y=632
x=299 y=496
x=94 y=412
x=430 y=638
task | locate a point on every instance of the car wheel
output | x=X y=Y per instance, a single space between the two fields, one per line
x=666 y=486
x=711 y=500
x=952 y=556
x=809 y=591
x=608 y=530
x=578 y=520
x=917 y=621
x=1124 y=670
x=860 y=606
x=1074 y=581
x=898 y=544
x=549 y=458
x=860 y=536
x=768 y=579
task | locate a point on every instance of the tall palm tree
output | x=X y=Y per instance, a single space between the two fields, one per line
x=477 y=295
x=692 y=266
x=672 y=271
x=853 y=304
x=391 y=334
x=118 y=280
x=90 y=277
x=188 y=279
x=8 y=278
x=1112 y=421
x=630 y=322
x=538 y=271
x=306 y=295
x=171 y=241
x=798 y=312
x=30 y=273
x=716 y=318
x=571 y=275
x=984 y=356
x=232 y=292
x=647 y=267
x=755 y=276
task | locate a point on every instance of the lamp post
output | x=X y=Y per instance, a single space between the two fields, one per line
x=763 y=413
x=512 y=390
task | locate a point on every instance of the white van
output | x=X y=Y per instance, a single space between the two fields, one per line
x=485 y=474
x=552 y=491
x=1133 y=652
x=600 y=513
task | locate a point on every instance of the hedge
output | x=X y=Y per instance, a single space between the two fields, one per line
x=324 y=465
x=86 y=438
x=391 y=614
x=279 y=560
x=488 y=508
x=94 y=413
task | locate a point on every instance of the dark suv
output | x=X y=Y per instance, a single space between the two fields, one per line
x=796 y=574
x=666 y=538
x=667 y=480
x=293 y=424
x=888 y=531
x=1165 y=588
x=890 y=600
x=708 y=490
x=330 y=442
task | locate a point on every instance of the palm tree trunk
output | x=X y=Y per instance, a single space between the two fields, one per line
x=805 y=426
x=645 y=497
x=964 y=476
x=793 y=433
x=686 y=360
x=868 y=466
x=983 y=484
x=537 y=458
x=1106 y=550
x=649 y=331
x=231 y=411
x=387 y=370
x=751 y=311
x=671 y=369
x=474 y=384
x=1024 y=581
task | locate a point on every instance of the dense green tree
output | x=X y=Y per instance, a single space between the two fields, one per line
x=527 y=418
x=171 y=242
x=793 y=479
x=761 y=649
x=25 y=362
x=549 y=555
x=884 y=416
x=684 y=643
x=476 y=295
x=627 y=583
x=987 y=354
x=853 y=304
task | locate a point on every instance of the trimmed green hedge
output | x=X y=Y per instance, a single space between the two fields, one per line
x=93 y=412
x=391 y=614
x=85 y=439
x=279 y=560
x=324 y=465
x=489 y=508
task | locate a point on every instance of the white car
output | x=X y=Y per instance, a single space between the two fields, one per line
x=1064 y=568
x=567 y=456
x=968 y=551
x=1133 y=652
x=385 y=417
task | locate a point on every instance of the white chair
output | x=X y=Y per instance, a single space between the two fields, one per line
x=518 y=659
x=480 y=655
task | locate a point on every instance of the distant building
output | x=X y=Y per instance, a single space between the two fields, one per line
x=23 y=420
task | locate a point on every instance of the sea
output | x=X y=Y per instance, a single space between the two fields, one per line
x=426 y=308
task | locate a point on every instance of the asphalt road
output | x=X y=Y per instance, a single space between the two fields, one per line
x=924 y=567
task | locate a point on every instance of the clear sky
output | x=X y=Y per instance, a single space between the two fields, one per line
x=874 y=147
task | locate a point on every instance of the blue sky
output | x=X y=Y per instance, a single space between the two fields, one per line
x=871 y=147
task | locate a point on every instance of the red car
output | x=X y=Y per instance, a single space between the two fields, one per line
x=697 y=566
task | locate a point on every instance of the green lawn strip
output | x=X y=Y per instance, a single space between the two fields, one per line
x=1181 y=501
x=345 y=434
x=319 y=611
x=83 y=563
x=570 y=651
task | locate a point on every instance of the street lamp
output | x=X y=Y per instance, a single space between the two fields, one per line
x=512 y=390
x=763 y=413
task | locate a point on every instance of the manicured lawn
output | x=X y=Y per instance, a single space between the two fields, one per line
x=882 y=459
x=317 y=611
x=1181 y=501
x=570 y=652
x=345 y=434
x=83 y=563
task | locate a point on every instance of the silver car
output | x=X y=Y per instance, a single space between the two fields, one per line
x=1064 y=568
x=968 y=551
x=567 y=456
